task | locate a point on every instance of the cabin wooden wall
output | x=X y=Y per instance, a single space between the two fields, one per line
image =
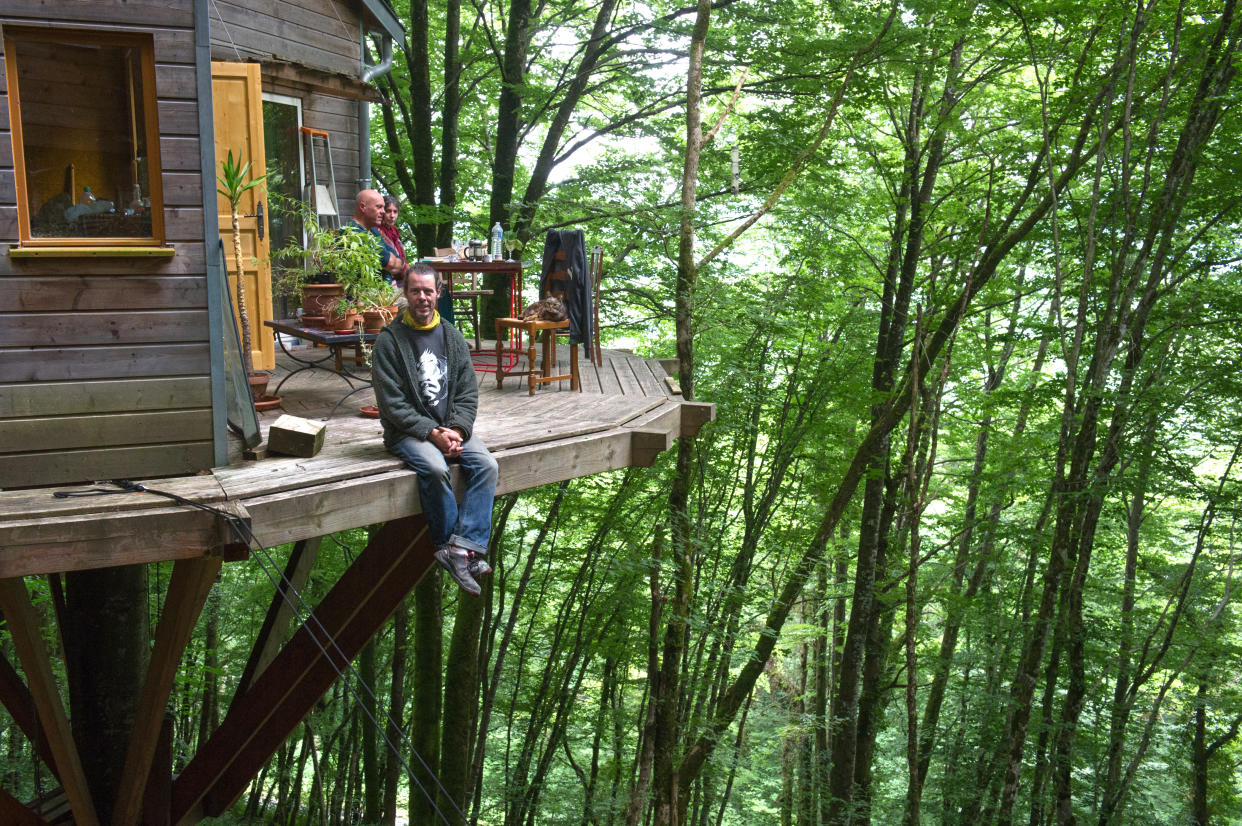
x=104 y=363
x=307 y=47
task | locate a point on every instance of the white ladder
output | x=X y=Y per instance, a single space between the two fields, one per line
x=320 y=197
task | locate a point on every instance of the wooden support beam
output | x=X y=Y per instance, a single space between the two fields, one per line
x=157 y=799
x=646 y=445
x=24 y=627
x=17 y=700
x=83 y=541
x=694 y=415
x=15 y=813
x=187 y=591
x=353 y=611
x=279 y=613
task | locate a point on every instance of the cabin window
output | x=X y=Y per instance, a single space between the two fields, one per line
x=85 y=137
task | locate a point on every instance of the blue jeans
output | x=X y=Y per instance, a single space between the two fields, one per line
x=470 y=525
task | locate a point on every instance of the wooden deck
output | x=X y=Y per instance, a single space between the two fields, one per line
x=625 y=415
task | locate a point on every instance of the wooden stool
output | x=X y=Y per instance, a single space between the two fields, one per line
x=532 y=330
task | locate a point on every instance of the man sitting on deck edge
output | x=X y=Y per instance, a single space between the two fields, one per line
x=427 y=396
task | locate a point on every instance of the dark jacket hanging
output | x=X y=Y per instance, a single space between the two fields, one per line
x=572 y=271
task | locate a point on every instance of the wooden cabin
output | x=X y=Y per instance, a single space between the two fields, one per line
x=114 y=333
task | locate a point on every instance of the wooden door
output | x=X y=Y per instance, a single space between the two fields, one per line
x=237 y=99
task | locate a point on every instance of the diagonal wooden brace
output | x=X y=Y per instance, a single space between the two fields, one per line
x=353 y=611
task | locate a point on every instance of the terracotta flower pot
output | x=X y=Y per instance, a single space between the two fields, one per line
x=258 y=384
x=322 y=300
x=373 y=321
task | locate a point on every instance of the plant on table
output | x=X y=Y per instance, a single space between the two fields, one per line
x=343 y=257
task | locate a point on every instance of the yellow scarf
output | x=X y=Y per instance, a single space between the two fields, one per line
x=408 y=320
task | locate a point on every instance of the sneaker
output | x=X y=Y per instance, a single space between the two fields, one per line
x=478 y=566
x=457 y=563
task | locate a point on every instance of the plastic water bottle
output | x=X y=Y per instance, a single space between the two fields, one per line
x=498 y=241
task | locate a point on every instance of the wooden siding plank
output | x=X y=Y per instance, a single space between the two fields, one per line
x=82 y=328
x=178 y=117
x=57 y=433
x=179 y=154
x=81 y=363
x=174 y=81
x=66 y=293
x=150 y=12
x=262 y=28
x=70 y=398
x=183 y=189
x=183 y=223
x=28 y=470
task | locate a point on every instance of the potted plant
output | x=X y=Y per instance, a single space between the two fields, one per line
x=234 y=181
x=332 y=264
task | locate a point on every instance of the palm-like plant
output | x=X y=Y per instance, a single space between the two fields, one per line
x=234 y=182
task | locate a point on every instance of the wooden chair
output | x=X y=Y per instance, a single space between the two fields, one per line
x=532 y=329
x=464 y=287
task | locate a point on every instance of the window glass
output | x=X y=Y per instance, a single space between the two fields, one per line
x=83 y=109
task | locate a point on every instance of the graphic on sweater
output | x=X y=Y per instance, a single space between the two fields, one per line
x=432 y=371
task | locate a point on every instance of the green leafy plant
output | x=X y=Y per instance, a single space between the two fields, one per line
x=333 y=256
x=234 y=181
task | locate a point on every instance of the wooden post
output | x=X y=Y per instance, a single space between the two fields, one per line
x=187 y=591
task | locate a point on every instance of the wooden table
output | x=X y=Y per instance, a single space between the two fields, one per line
x=335 y=342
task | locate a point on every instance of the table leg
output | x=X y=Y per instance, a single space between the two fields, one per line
x=573 y=366
x=530 y=355
x=500 y=370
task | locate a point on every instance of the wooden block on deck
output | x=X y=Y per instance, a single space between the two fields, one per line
x=295 y=436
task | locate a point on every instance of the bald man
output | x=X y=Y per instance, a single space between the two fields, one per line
x=368 y=209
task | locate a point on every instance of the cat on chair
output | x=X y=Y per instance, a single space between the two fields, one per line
x=549 y=309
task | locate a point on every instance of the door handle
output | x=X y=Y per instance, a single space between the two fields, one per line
x=258 y=214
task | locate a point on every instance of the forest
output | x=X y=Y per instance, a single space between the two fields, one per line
x=959 y=547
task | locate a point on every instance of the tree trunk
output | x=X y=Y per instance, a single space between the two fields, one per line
x=508 y=139
x=421 y=147
x=107 y=647
x=425 y=722
x=450 y=118
x=669 y=800
x=396 y=711
x=372 y=778
x=461 y=705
